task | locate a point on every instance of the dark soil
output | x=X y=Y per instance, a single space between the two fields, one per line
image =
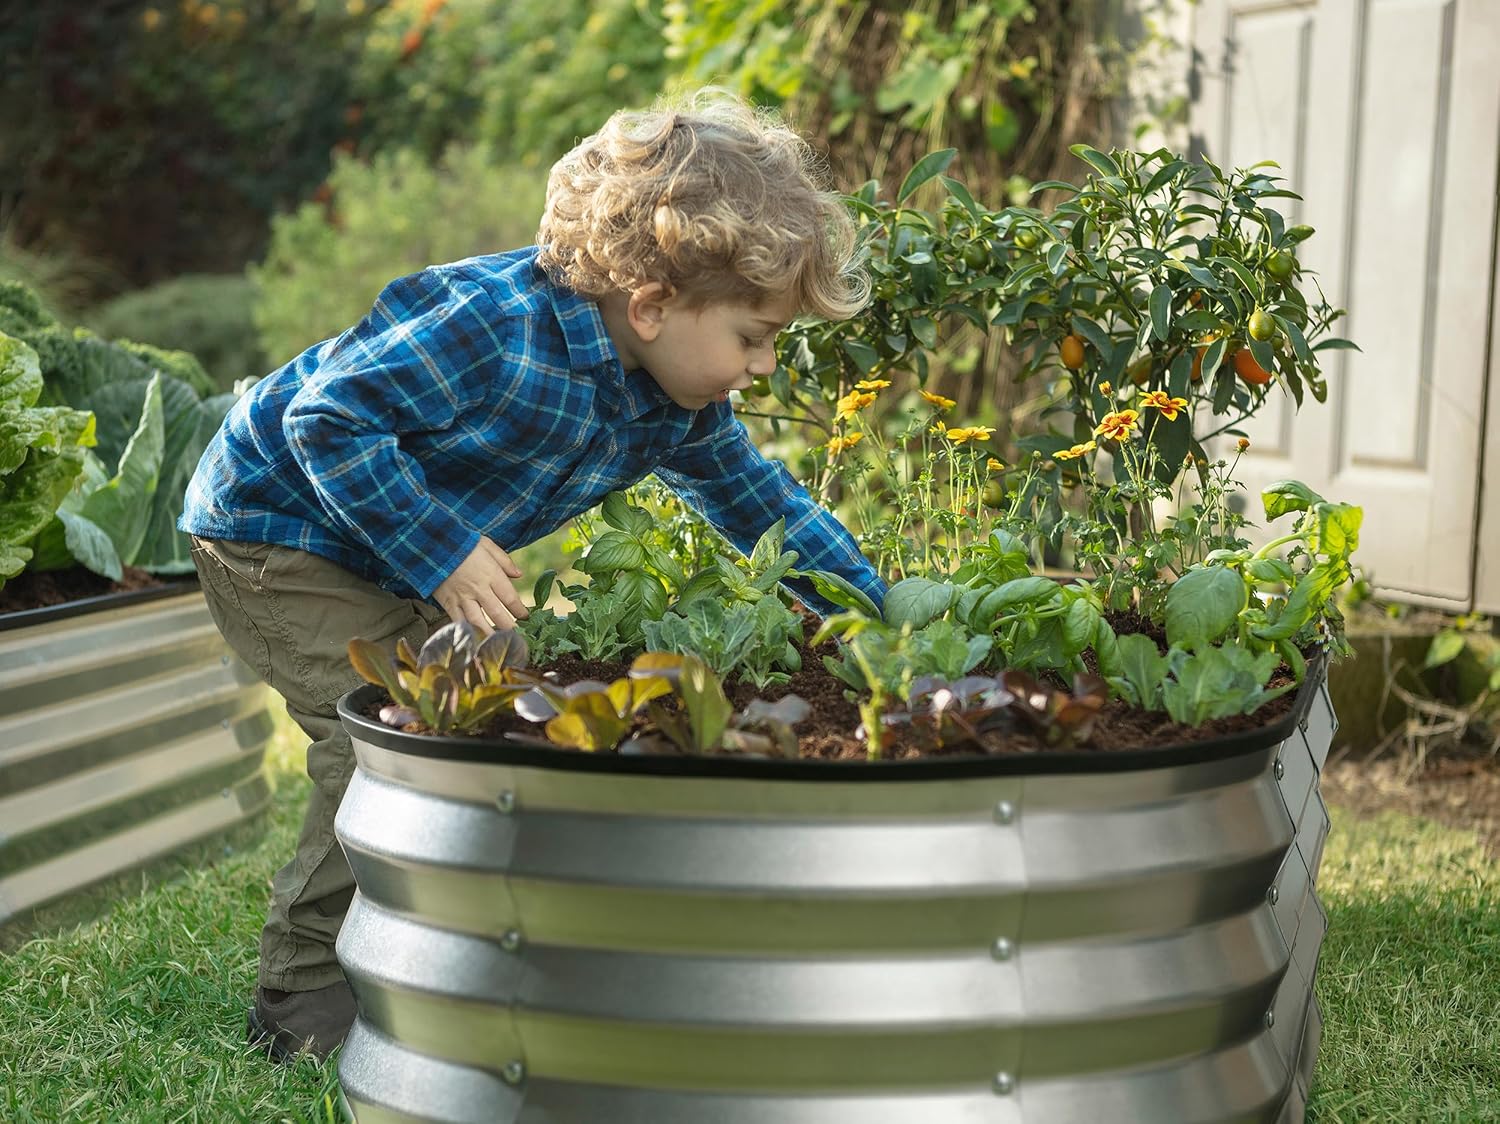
x=832 y=731
x=57 y=587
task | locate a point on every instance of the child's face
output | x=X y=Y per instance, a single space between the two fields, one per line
x=698 y=355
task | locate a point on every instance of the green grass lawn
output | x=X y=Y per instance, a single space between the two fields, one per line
x=139 y=1016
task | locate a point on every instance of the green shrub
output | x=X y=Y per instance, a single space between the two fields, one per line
x=191 y=124
x=205 y=314
x=389 y=218
x=528 y=79
x=42 y=451
x=160 y=402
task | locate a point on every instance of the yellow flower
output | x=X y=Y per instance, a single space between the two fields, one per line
x=1075 y=452
x=937 y=400
x=959 y=434
x=838 y=444
x=150 y=19
x=1158 y=399
x=1105 y=387
x=872 y=384
x=938 y=428
x=852 y=403
x=1118 y=425
x=1243 y=443
x=995 y=466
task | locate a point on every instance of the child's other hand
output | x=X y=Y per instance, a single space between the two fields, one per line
x=480 y=592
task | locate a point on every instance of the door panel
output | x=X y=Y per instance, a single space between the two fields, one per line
x=1385 y=116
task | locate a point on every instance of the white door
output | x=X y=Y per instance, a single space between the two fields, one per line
x=1385 y=117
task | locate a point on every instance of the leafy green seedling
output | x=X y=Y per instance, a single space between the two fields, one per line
x=456 y=683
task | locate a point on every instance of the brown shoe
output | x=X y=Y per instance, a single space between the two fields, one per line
x=286 y=1024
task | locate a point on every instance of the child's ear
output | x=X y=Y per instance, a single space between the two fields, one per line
x=647 y=308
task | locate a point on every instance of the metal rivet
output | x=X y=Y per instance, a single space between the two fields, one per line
x=506 y=801
x=1002 y=949
x=513 y=1073
x=1005 y=812
x=510 y=940
x=1279 y=768
x=1272 y=895
x=1270 y=1018
x=1003 y=1082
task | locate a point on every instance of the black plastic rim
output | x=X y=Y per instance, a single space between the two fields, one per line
x=492 y=752
x=173 y=587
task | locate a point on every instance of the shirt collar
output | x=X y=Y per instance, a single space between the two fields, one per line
x=590 y=349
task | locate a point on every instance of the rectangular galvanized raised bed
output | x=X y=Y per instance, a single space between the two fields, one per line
x=543 y=936
x=128 y=731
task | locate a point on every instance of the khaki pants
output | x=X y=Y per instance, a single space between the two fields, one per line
x=289 y=615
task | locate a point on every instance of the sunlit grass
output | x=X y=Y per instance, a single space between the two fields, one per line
x=1409 y=978
x=140 y=1016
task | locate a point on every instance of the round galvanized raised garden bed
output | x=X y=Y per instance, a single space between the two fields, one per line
x=548 y=936
x=128 y=731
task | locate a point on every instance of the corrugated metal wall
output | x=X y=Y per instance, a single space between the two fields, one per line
x=534 y=945
x=125 y=734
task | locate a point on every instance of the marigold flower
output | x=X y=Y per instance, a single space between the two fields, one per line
x=938 y=400
x=994 y=465
x=961 y=434
x=1076 y=451
x=1243 y=443
x=1118 y=425
x=1105 y=387
x=1158 y=399
x=852 y=403
x=872 y=384
x=837 y=445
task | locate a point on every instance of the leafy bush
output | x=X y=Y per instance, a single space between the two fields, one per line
x=118 y=382
x=207 y=315
x=103 y=522
x=41 y=454
x=191 y=124
x=881 y=85
x=389 y=218
x=525 y=79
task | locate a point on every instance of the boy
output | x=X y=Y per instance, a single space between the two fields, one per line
x=371 y=486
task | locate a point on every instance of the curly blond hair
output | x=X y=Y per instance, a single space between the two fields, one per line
x=719 y=201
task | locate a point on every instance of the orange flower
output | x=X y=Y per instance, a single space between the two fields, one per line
x=852 y=403
x=1243 y=443
x=1158 y=399
x=937 y=400
x=1105 y=387
x=838 y=444
x=1075 y=452
x=960 y=435
x=1118 y=425
x=995 y=466
x=872 y=384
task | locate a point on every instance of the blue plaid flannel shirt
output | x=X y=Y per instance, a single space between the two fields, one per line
x=478 y=398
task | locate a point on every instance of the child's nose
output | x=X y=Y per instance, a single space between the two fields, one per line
x=762 y=362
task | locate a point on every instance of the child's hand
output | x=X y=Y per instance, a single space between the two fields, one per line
x=479 y=591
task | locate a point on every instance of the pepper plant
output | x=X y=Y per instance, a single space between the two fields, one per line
x=1163 y=274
